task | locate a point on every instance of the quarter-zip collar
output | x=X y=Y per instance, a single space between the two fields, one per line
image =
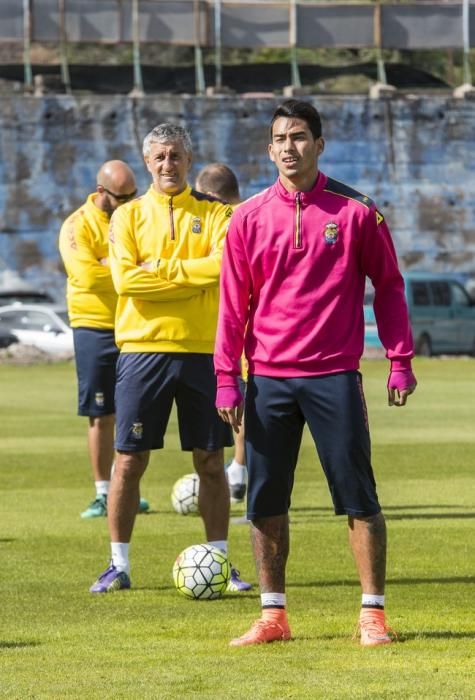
x=304 y=197
x=299 y=200
x=164 y=199
x=171 y=202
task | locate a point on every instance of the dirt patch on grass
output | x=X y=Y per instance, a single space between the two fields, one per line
x=19 y=354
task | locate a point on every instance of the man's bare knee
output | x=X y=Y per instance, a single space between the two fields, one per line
x=130 y=465
x=374 y=523
x=208 y=464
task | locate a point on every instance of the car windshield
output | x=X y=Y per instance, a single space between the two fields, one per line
x=63 y=315
x=25 y=298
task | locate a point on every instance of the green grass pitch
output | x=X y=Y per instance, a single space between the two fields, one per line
x=59 y=641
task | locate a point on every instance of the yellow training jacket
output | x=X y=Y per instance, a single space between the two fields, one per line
x=83 y=241
x=174 y=306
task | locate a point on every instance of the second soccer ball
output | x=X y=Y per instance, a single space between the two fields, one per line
x=185 y=494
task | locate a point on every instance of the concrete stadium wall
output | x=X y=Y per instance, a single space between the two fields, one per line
x=415 y=156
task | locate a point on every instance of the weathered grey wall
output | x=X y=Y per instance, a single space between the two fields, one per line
x=415 y=156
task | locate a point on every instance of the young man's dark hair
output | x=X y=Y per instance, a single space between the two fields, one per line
x=298 y=109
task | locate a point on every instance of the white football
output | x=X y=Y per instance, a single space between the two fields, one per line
x=185 y=494
x=201 y=572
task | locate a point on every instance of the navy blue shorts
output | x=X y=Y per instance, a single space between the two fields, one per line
x=147 y=385
x=96 y=358
x=333 y=406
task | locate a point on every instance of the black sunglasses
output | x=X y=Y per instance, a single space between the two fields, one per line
x=120 y=197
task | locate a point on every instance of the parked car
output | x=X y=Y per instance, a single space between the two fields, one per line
x=46 y=327
x=7 y=338
x=441 y=312
x=22 y=296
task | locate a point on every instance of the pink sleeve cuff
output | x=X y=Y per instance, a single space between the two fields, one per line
x=401 y=365
x=401 y=379
x=228 y=397
x=223 y=379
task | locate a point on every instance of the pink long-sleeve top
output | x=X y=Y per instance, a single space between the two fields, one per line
x=293 y=280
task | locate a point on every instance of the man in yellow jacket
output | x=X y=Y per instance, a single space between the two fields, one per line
x=165 y=256
x=92 y=301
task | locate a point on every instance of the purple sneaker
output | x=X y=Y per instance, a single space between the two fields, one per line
x=110 y=580
x=235 y=585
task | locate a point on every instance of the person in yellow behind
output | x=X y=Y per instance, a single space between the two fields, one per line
x=218 y=180
x=92 y=300
x=165 y=256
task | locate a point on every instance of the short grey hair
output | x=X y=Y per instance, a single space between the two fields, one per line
x=167 y=133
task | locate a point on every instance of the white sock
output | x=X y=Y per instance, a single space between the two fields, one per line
x=273 y=600
x=102 y=488
x=220 y=544
x=370 y=600
x=120 y=556
x=236 y=473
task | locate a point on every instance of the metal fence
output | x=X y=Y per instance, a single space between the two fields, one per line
x=447 y=24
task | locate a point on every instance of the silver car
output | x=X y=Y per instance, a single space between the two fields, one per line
x=44 y=326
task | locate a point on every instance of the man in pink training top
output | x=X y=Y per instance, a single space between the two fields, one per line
x=292 y=286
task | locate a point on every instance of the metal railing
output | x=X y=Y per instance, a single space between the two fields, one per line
x=248 y=24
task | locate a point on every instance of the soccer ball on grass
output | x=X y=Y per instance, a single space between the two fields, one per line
x=185 y=494
x=201 y=572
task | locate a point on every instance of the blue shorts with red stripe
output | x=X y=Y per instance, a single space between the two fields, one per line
x=334 y=408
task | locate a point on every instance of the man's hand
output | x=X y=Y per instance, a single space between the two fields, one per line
x=230 y=405
x=233 y=416
x=401 y=384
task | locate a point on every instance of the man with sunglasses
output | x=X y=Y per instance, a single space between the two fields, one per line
x=92 y=301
